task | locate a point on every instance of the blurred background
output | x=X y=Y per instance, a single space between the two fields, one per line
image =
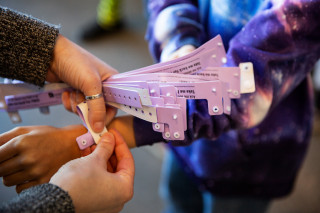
x=127 y=50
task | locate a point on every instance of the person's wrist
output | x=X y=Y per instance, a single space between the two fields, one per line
x=70 y=133
x=53 y=73
x=124 y=125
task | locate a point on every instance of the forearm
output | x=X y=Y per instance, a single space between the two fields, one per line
x=124 y=125
x=26 y=46
x=136 y=132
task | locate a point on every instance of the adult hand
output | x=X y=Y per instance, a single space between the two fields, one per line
x=31 y=155
x=81 y=70
x=71 y=99
x=89 y=182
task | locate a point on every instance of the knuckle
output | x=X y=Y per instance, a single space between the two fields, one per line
x=20 y=143
x=20 y=129
x=23 y=142
x=41 y=127
x=93 y=80
x=40 y=173
x=35 y=173
x=26 y=161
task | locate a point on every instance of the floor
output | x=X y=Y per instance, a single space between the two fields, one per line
x=127 y=50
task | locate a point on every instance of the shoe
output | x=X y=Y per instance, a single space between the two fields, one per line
x=95 y=31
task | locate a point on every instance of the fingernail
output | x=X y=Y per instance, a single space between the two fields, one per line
x=98 y=126
x=106 y=137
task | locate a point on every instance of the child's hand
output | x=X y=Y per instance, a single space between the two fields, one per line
x=31 y=155
x=70 y=101
x=182 y=51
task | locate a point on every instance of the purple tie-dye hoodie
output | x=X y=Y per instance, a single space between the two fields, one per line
x=259 y=148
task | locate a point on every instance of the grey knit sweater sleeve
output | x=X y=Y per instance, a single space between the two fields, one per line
x=26 y=46
x=41 y=198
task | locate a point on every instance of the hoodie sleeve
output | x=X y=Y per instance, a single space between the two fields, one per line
x=282 y=42
x=171 y=25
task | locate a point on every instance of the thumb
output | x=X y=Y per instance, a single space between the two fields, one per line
x=97 y=106
x=97 y=114
x=104 y=148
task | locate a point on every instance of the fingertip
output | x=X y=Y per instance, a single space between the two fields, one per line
x=98 y=126
x=105 y=146
x=107 y=138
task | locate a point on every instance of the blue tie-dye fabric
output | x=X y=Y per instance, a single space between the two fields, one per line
x=227 y=17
